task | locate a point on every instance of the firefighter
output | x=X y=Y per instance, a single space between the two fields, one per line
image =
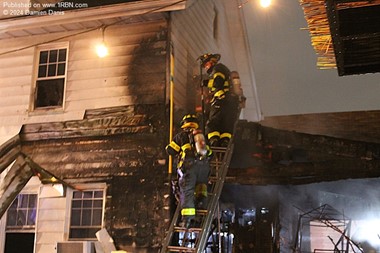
x=192 y=166
x=223 y=106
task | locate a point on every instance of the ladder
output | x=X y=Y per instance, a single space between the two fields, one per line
x=195 y=239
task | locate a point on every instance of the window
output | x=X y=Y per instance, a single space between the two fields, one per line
x=22 y=212
x=86 y=214
x=50 y=78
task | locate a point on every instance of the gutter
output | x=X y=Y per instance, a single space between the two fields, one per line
x=91 y=14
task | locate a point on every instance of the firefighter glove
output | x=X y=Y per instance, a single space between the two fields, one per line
x=205 y=83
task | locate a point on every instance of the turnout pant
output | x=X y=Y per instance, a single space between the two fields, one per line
x=194 y=177
x=222 y=117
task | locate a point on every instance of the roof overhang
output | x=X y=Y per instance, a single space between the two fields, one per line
x=87 y=17
x=345 y=34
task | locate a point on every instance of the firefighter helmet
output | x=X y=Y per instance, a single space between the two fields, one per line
x=189 y=121
x=204 y=58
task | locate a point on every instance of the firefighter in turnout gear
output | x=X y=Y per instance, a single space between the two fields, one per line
x=193 y=155
x=223 y=106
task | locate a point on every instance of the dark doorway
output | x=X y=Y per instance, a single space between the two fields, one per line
x=19 y=242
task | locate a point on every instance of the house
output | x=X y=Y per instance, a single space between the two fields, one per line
x=90 y=132
x=98 y=141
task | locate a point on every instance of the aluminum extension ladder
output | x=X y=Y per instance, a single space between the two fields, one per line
x=195 y=239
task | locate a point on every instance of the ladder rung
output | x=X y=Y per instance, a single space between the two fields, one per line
x=181 y=249
x=218 y=149
x=213 y=179
x=201 y=211
x=183 y=229
x=195 y=239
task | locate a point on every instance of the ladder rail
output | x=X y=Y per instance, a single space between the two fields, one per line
x=220 y=169
x=171 y=231
x=218 y=187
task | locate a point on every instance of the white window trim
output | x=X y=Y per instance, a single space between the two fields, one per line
x=39 y=111
x=31 y=187
x=69 y=197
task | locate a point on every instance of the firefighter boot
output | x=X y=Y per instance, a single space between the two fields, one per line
x=224 y=142
x=214 y=141
x=202 y=202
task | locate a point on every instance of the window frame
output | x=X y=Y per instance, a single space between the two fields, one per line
x=23 y=228
x=85 y=187
x=33 y=109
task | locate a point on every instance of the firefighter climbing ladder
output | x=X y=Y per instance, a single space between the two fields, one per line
x=195 y=239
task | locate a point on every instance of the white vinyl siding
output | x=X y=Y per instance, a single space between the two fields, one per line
x=91 y=82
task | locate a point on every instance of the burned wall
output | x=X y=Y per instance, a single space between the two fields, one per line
x=123 y=147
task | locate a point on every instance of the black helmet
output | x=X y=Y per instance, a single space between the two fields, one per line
x=204 y=58
x=189 y=121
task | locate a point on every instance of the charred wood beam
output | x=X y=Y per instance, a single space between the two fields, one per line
x=305 y=173
x=9 y=152
x=279 y=140
x=45 y=176
x=86 y=127
x=267 y=155
x=15 y=180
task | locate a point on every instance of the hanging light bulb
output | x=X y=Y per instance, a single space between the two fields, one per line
x=101 y=49
x=265 y=3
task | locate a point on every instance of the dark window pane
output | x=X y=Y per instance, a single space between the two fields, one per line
x=87 y=203
x=75 y=217
x=77 y=195
x=62 y=55
x=97 y=217
x=98 y=203
x=52 y=70
x=43 y=56
x=49 y=93
x=82 y=233
x=11 y=218
x=42 y=70
x=53 y=57
x=23 y=201
x=32 y=201
x=61 y=69
x=31 y=217
x=77 y=204
x=87 y=195
x=77 y=233
x=98 y=194
x=86 y=218
x=21 y=218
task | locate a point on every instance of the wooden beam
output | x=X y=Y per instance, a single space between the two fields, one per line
x=305 y=173
x=9 y=152
x=14 y=181
x=45 y=176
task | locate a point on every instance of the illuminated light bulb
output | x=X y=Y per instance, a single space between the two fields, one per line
x=265 y=3
x=101 y=50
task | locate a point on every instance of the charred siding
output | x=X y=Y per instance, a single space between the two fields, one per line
x=128 y=162
x=265 y=155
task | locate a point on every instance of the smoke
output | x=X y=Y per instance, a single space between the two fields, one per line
x=356 y=200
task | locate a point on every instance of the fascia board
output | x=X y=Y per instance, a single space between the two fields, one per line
x=90 y=14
